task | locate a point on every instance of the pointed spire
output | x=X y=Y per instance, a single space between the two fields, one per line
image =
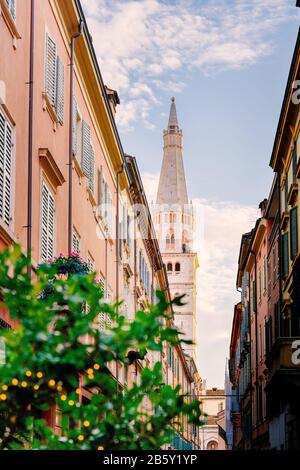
x=172 y=184
x=173 y=121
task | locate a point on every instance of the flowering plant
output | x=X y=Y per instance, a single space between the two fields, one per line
x=71 y=264
x=49 y=368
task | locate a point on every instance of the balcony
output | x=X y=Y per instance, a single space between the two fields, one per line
x=282 y=357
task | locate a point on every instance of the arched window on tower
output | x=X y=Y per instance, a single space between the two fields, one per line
x=169 y=267
x=168 y=241
x=172 y=240
x=177 y=267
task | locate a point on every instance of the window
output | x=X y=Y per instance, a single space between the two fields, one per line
x=6 y=326
x=75 y=242
x=275 y=261
x=265 y=274
x=177 y=267
x=254 y=296
x=269 y=275
x=277 y=320
x=90 y=263
x=259 y=284
x=105 y=201
x=286 y=192
x=47 y=223
x=87 y=155
x=11 y=4
x=294 y=162
x=285 y=255
x=260 y=343
x=172 y=241
x=54 y=78
x=6 y=143
x=168 y=241
x=169 y=267
x=294 y=232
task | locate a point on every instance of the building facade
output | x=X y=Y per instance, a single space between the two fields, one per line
x=65 y=181
x=212 y=433
x=269 y=264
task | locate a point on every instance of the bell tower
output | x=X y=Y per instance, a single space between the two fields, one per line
x=174 y=223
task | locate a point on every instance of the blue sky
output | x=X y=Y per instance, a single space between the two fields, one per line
x=227 y=63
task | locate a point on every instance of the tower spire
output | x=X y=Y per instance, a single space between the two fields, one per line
x=173 y=121
x=172 y=185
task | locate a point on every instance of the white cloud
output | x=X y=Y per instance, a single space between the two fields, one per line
x=219 y=227
x=138 y=43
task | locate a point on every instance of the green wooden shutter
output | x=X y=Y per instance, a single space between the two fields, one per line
x=285 y=255
x=294 y=232
x=60 y=82
x=50 y=79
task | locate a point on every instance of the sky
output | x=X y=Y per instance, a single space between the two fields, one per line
x=226 y=62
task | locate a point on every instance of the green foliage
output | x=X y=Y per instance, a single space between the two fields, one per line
x=58 y=351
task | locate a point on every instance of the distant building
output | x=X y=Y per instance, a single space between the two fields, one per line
x=213 y=433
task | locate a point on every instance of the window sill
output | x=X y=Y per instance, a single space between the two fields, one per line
x=10 y=22
x=47 y=106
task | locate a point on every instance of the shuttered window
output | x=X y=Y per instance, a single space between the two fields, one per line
x=294 y=160
x=87 y=155
x=105 y=201
x=294 y=232
x=74 y=126
x=6 y=143
x=60 y=82
x=54 y=78
x=90 y=263
x=285 y=255
x=92 y=169
x=11 y=4
x=48 y=223
x=75 y=242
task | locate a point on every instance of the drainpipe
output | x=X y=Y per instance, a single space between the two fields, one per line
x=117 y=257
x=71 y=117
x=256 y=344
x=30 y=138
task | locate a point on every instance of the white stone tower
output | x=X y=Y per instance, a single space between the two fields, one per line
x=174 y=223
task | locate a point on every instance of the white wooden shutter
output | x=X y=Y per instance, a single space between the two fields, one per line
x=13 y=8
x=5 y=169
x=86 y=148
x=90 y=263
x=60 y=81
x=74 y=126
x=75 y=242
x=48 y=223
x=50 y=79
x=92 y=169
